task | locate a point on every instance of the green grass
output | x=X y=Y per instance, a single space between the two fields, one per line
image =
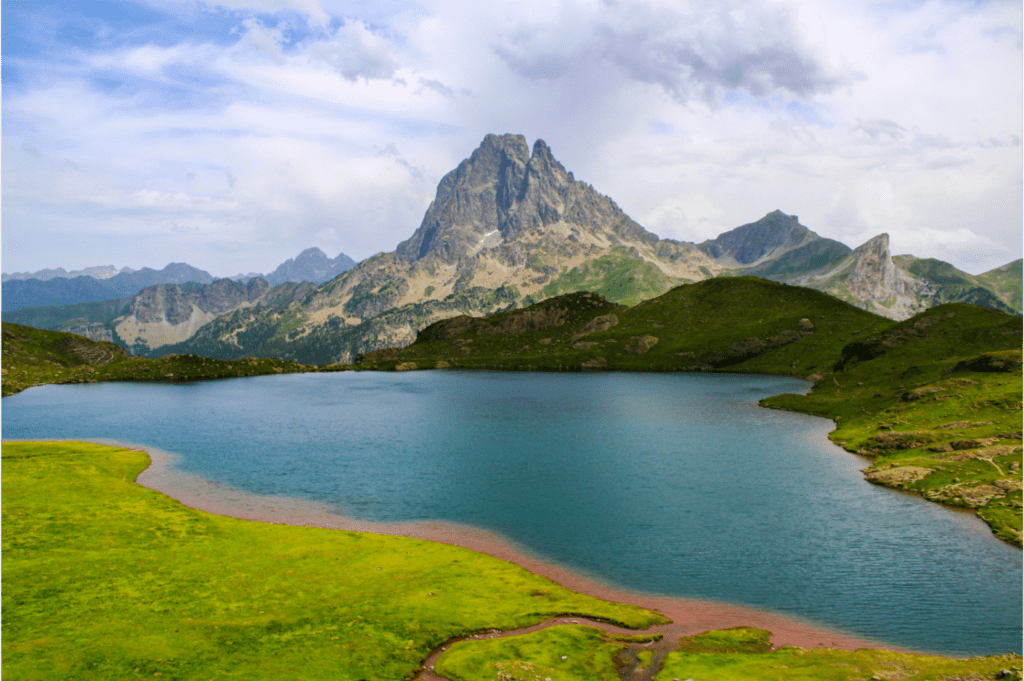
x=618 y=276
x=736 y=640
x=104 y=579
x=742 y=655
x=562 y=653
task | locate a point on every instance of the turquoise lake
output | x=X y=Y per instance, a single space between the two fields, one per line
x=670 y=484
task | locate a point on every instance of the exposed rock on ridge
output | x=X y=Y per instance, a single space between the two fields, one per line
x=869 y=278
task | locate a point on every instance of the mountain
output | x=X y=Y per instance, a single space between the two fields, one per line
x=764 y=241
x=57 y=287
x=507 y=227
x=1005 y=282
x=870 y=277
x=310 y=265
x=159 y=315
x=98 y=272
x=21 y=293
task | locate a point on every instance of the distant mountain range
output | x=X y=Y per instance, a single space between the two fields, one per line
x=510 y=227
x=22 y=293
x=99 y=272
x=58 y=287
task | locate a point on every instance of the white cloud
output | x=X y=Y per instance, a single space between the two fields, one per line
x=356 y=52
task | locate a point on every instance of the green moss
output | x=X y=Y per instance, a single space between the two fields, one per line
x=105 y=579
x=736 y=640
x=566 y=653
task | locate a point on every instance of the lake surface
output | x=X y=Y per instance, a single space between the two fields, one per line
x=670 y=484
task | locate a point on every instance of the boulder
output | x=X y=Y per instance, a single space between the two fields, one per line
x=640 y=345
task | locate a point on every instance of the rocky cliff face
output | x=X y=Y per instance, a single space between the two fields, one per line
x=506 y=205
x=167 y=313
x=868 y=278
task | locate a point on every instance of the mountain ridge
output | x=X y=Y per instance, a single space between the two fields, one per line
x=509 y=227
x=56 y=287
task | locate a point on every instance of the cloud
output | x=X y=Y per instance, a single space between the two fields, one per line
x=262 y=39
x=356 y=52
x=700 y=51
x=880 y=128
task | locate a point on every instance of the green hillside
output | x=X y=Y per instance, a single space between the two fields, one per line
x=998 y=289
x=1006 y=282
x=36 y=357
x=936 y=402
x=741 y=324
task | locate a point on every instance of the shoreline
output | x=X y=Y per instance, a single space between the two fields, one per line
x=688 y=616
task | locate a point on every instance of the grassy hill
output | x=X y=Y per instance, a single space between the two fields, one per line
x=36 y=357
x=738 y=324
x=936 y=402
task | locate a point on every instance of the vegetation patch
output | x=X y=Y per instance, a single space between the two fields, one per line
x=618 y=276
x=565 y=652
x=743 y=656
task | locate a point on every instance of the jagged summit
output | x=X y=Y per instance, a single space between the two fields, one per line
x=502 y=193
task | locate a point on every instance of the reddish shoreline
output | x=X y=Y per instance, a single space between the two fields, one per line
x=688 y=616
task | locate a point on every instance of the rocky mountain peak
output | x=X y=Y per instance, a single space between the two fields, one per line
x=311 y=254
x=885 y=288
x=503 y=188
x=877 y=245
x=873 y=266
x=753 y=243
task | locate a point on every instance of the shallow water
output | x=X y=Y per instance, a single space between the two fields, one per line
x=672 y=484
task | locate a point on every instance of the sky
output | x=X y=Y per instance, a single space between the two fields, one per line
x=232 y=135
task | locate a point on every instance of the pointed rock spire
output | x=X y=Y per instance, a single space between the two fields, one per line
x=503 y=188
